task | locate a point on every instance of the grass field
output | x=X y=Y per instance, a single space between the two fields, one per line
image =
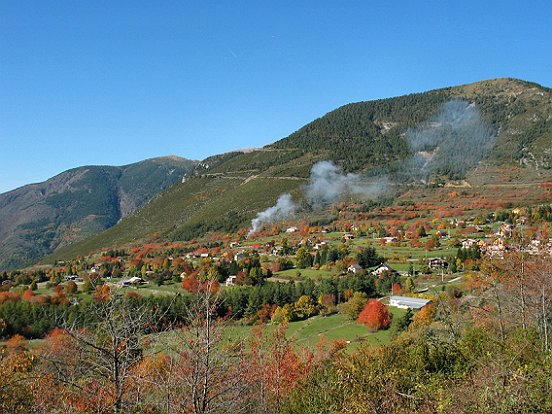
x=292 y=274
x=310 y=332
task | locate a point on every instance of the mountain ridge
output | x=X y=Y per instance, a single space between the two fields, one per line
x=37 y=218
x=224 y=192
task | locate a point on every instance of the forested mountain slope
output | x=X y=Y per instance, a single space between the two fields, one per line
x=225 y=191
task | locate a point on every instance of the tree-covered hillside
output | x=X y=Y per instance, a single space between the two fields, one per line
x=389 y=136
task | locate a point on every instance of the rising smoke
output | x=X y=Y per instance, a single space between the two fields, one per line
x=284 y=208
x=327 y=184
x=450 y=144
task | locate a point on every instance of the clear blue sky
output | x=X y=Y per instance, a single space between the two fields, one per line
x=114 y=82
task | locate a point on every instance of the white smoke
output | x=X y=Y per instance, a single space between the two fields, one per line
x=327 y=184
x=450 y=144
x=284 y=208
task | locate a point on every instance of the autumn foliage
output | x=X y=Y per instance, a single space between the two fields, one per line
x=375 y=315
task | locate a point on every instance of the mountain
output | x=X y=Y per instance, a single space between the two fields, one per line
x=501 y=130
x=38 y=218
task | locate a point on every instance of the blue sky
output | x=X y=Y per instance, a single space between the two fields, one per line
x=116 y=82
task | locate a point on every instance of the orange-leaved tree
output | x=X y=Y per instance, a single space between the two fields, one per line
x=375 y=315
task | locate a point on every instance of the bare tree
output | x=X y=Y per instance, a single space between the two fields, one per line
x=98 y=363
x=211 y=372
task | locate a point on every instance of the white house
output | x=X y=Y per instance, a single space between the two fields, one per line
x=239 y=257
x=404 y=302
x=468 y=243
x=383 y=268
x=354 y=268
x=292 y=230
x=132 y=281
x=437 y=263
x=231 y=281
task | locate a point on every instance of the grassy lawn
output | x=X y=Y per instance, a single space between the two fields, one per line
x=305 y=274
x=308 y=333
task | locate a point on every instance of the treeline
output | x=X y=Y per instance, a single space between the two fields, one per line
x=255 y=303
x=36 y=316
x=354 y=135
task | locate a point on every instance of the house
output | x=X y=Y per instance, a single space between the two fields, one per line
x=277 y=251
x=234 y=244
x=437 y=263
x=390 y=239
x=320 y=245
x=133 y=281
x=348 y=236
x=292 y=230
x=404 y=302
x=238 y=257
x=468 y=243
x=71 y=277
x=231 y=280
x=496 y=249
x=354 y=268
x=183 y=275
x=383 y=268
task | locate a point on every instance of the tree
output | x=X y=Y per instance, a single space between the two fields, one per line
x=303 y=258
x=15 y=394
x=368 y=257
x=283 y=314
x=375 y=315
x=107 y=353
x=354 y=306
x=409 y=284
x=71 y=287
x=275 y=368
x=210 y=377
x=305 y=307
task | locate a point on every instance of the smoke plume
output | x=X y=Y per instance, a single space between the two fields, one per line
x=284 y=208
x=328 y=184
x=450 y=144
